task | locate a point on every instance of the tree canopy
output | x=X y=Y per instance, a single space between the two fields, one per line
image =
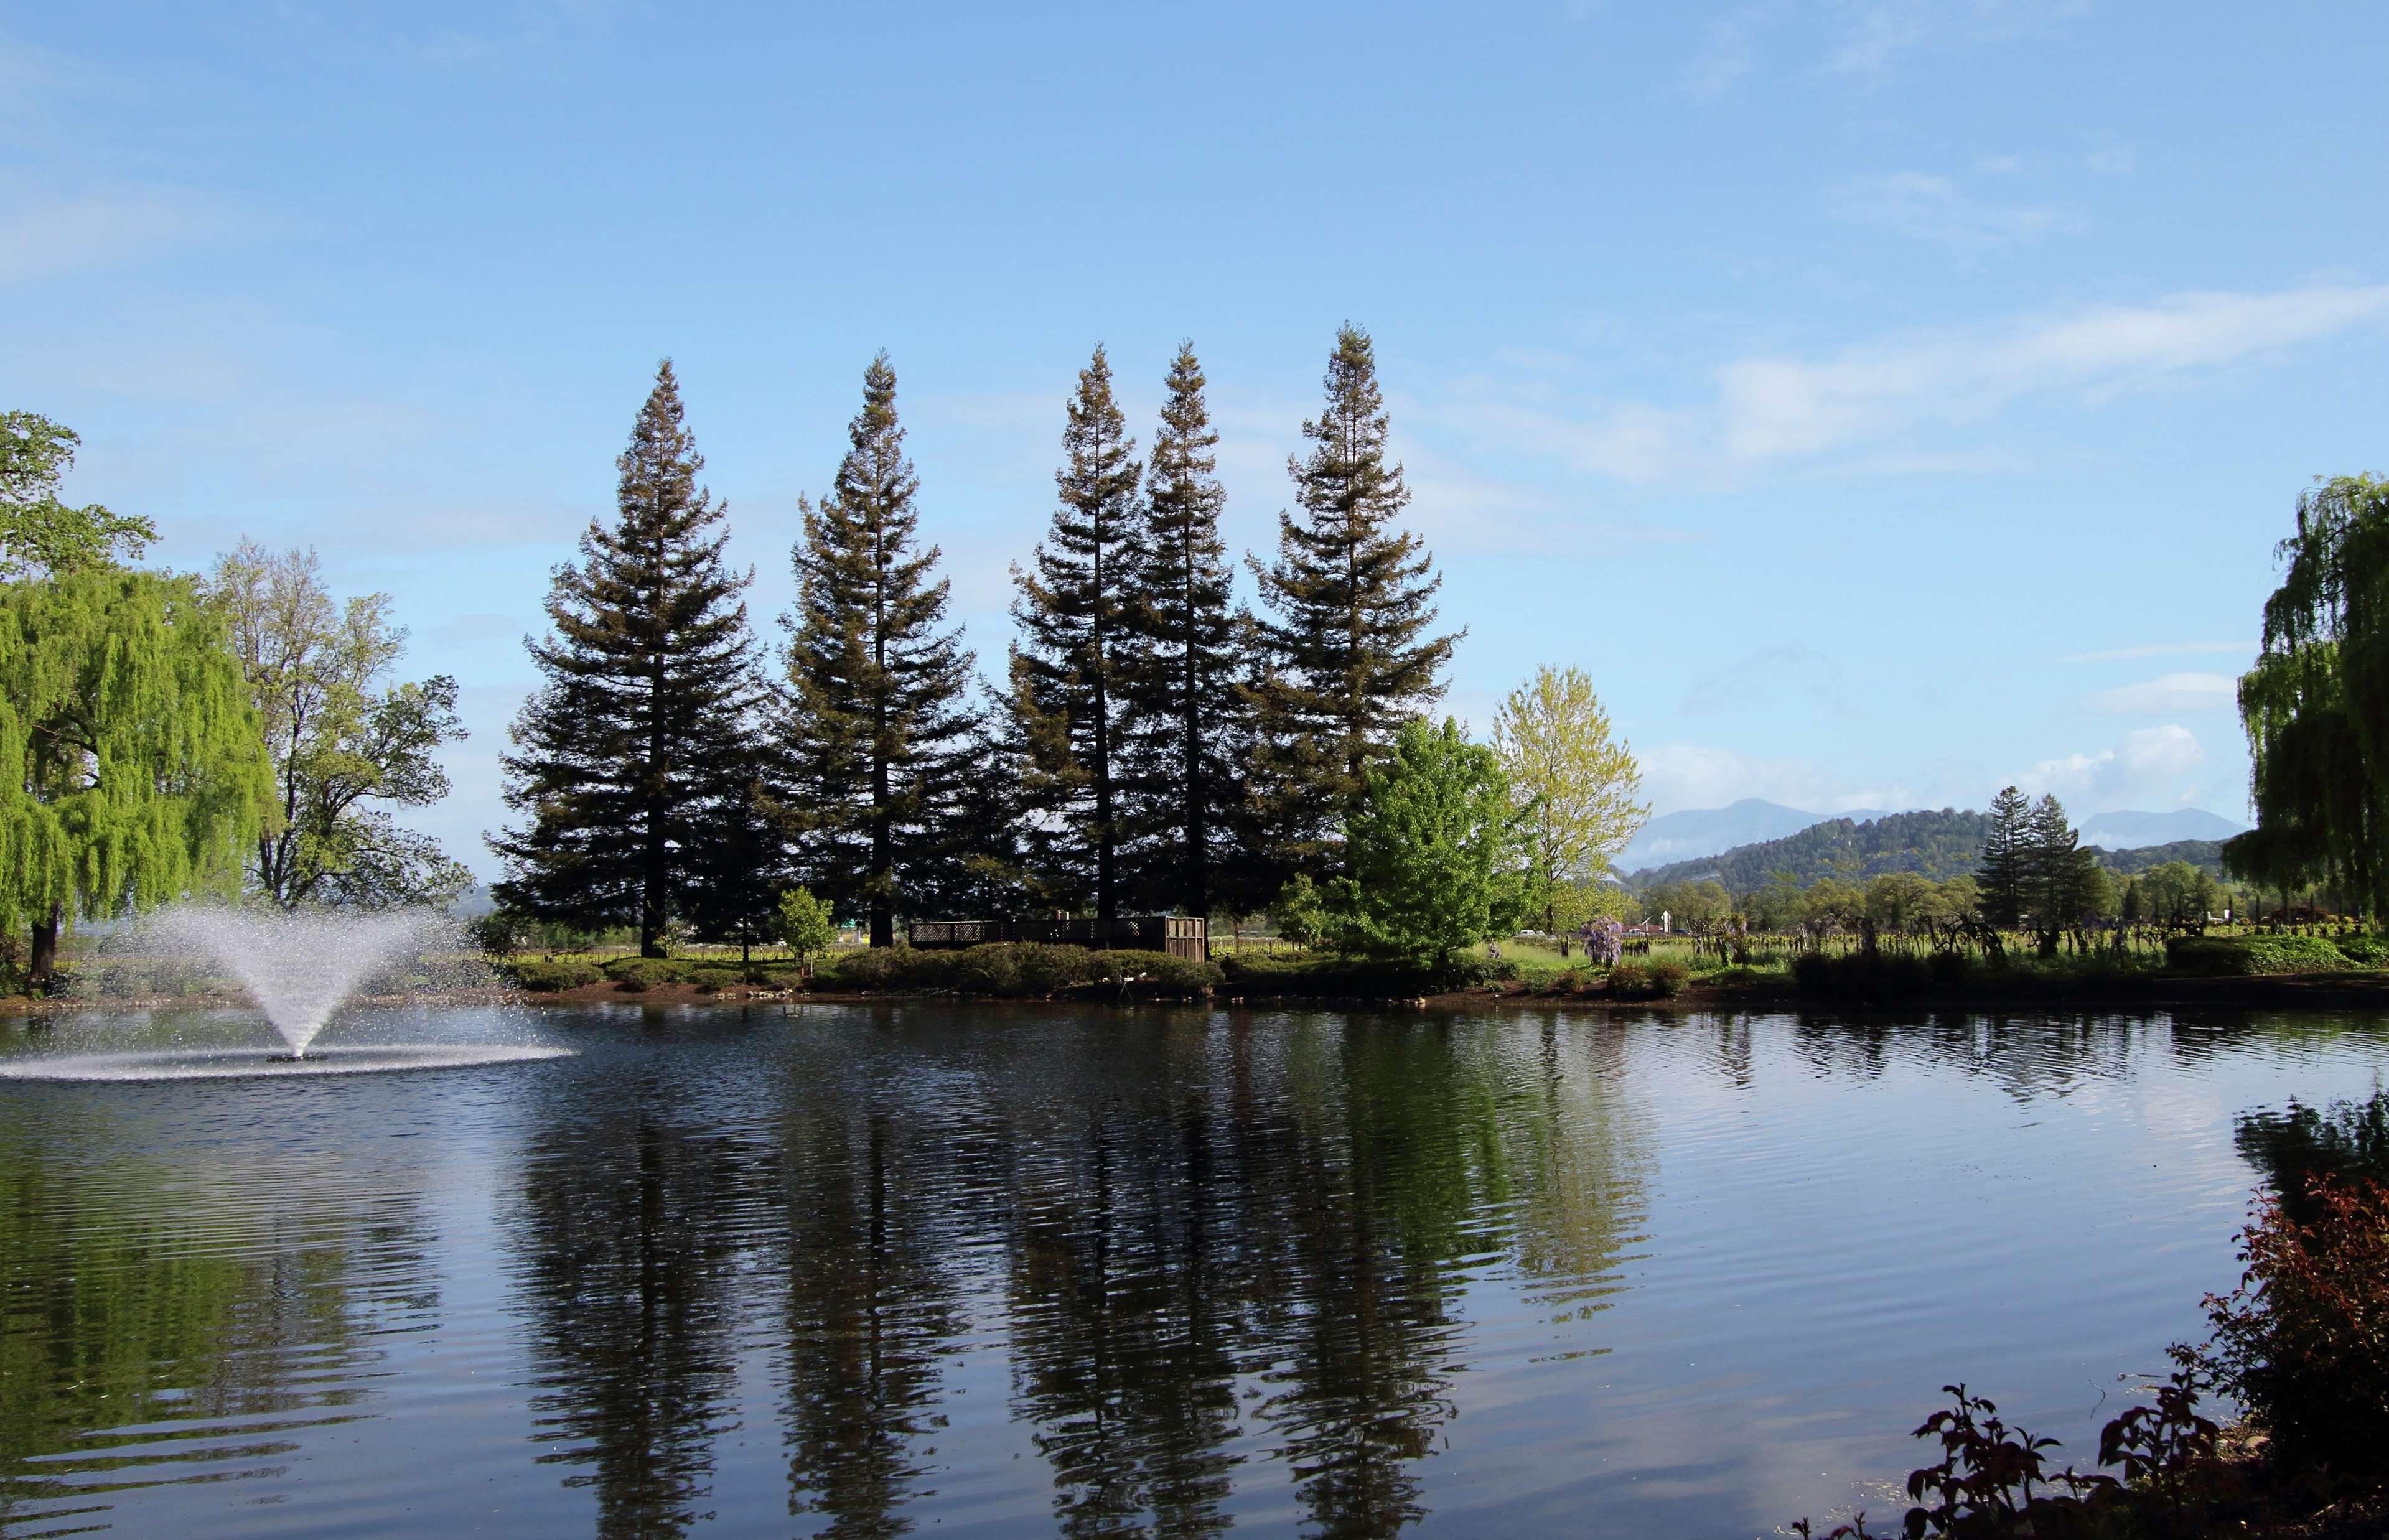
x=41 y=534
x=1573 y=784
x=137 y=771
x=1434 y=853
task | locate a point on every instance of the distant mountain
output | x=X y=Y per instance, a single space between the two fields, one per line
x=2132 y=831
x=1699 y=831
x=1935 y=845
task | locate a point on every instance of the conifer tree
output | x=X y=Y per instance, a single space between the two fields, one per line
x=650 y=682
x=1070 y=667
x=1186 y=730
x=878 y=734
x=2002 y=881
x=2058 y=873
x=1351 y=651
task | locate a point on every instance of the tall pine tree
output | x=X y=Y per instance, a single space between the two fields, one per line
x=1071 y=664
x=2003 y=883
x=1351 y=652
x=879 y=735
x=650 y=682
x=1186 y=730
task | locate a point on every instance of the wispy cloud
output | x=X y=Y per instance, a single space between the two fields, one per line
x=1933 y=209
x=2161 y=649
x=1786 y=672
x=2185 y=692
x=1729 y=52
x=1676 y=776
x=1772 y=408
x=1880 y=34
x=45 y=236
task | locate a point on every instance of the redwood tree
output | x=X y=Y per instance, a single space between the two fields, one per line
x=650 y=685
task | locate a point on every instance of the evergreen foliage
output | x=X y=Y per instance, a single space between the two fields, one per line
x=649 y=681
x=1072 y=665
x=2061 y=881
x=343 y=735
x=1435 y=849
x=38 y=533
x=136 y=770
x=1187 y=729
x=2002 y=881
x=878 y=736
x=739 y=862
x=1351 y=653
x=2316 y=704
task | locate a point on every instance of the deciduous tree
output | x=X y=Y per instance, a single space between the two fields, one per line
x=1573 y=784
x=348 y=742
x=135 y=769
x=1436 y=856
x=38 y=532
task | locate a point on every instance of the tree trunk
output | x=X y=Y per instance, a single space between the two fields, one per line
x=44 y=961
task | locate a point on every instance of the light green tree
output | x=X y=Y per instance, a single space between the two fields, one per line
x=41 y=534
x=1436 y=857
x=806 y=925
x=1900 y=902
x=1573 y=784
x=348 y=742
x=135 y=772
x=1299 y=912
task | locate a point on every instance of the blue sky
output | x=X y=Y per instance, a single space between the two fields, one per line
x=1883 y=400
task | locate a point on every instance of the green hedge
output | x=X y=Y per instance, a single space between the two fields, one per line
x=546 y=977
x=1018 y=970
x=2240 y=956
x=1359 y=978
x=1630 y=980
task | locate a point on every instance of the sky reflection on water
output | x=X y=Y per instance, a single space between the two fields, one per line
x=862 y=1271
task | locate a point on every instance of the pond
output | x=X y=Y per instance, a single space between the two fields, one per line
x=1013 y=1270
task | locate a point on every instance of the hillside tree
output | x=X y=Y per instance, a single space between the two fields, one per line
x=1349 y=649
x=878 y=734
x=650 y=684
x=349 y=742
x=1186 y=731
x=1072 y=666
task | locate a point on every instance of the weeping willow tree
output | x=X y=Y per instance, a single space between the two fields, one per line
x=135 y=769
x=2315 y=705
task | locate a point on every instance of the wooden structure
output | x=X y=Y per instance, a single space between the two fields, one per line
x=1178 y=935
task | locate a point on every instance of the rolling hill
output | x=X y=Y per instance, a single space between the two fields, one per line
x=1935 y=845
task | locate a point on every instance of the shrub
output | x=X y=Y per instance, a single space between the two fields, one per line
x=2303 y=1344
x=1667 y=979
x=2365 y=951
x=543 y=977
x=636 y=973
x=1629 y=981
x=1046 y=969
x=710 y=979
x=987 y=970
x=2241 y=956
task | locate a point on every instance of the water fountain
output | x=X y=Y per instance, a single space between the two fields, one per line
x=300 y=969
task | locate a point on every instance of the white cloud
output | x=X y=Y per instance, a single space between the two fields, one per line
x=1933 y=209
x=1677 y=776
x=2161 y=649
x=2150 y=765
x=2182 y=691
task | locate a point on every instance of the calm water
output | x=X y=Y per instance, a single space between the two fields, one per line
x=869 y=1271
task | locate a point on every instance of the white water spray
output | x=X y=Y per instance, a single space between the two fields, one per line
x=301 y=967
